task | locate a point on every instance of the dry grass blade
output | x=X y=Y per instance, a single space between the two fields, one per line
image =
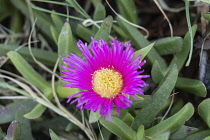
x=14 y=97
x=23 y=79
x=36 y=61
x=169 y=23
x=132 y=24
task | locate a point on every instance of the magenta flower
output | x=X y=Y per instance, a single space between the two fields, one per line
x=108 y=76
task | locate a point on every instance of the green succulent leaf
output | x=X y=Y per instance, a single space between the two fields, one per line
x=172 y=123
x=207 y=138
x=53 y=136
x=106 y=134
x=156 y=73
x=119 y=128
x=64 y=41
x=94 y=117
x=140 y=133
x=204 y=111
x=169 y=45
x=178 y=104
x=119 y=31
x=180 y=58
x=28 y=72
x=2 y=135
x=32 y=76
x=54 y=34
x=139 y=42
x=24 y=125
x=36 y=112
x=182 y=132
x=64 y=92
x=144 y=51
x=39 y=109
x=40 y=55
x=142 y=101
x=14 y=131
x=128 y=10
x=10 y=110
x=128 y=119
x=193 y=86
x=206 y=16
x=162 y=136
x=198 y=135
x=159 y=99
x=58 y=23
x=105 y=29
x=99 y=14
x=84 y=33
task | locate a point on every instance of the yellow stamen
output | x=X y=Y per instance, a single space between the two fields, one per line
x=107 y=82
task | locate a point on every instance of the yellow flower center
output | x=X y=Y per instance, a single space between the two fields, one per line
x=107 y=82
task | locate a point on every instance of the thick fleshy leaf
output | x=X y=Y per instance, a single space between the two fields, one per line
x=53 y=136
x=105 y=29
x=57 y=124
x=56 y=27
x=140 y=133
x=198 y=136
x=128 y=119
x=139 y=41
x=105 y=134
x=144 y=51
x=207 y=1
x=58 y=23
x=159 y=99
x=119 y=31
x=25 y=125
x=180 y=58
x=14 y=131
x=207 y=138
x=54 y=34
x=99 y=14
x=64 y=92
x=94 y=117
x=204 y=111
x=38 y=109
x=162 y=136
x=172 y=123
x=2 y=135
x=7 y=113
x=182 y=132
x=206 y=16
x=119 y=128
x=193 y=86
x=178 y=104
x=28 y=72
x=156 y=73
x=84 y=33
x=64 y=41
x=128 y=10
x=40 y=55
x=142 y=101
x=169 y=45
x=95 y=2
x=15 y=25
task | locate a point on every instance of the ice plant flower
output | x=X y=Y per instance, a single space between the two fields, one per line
x=109 y=75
